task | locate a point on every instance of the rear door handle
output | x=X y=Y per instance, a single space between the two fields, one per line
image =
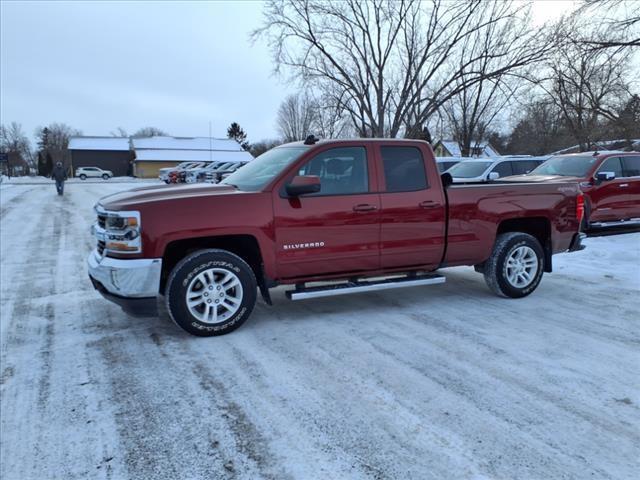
x=364 y=207
x=429 y=204
x=623 y=185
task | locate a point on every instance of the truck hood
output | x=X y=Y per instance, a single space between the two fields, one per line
x=159 y=193
x=544 y=178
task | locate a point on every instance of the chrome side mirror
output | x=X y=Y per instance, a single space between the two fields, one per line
x=605 y=177
x=494 y=176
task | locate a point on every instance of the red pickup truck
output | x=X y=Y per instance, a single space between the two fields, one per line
x=609 y=180
x=328 y=217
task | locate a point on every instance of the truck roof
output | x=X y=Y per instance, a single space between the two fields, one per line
x=351 y=140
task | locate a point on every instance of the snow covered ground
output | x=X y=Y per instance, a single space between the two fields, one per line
x=430 y=382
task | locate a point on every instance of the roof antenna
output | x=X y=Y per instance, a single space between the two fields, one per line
x=311 y=140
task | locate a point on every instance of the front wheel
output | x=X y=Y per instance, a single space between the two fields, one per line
x=515 y=266
x=211 y=292
x=105 y=176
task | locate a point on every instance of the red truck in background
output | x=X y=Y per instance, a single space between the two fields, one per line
x=355 y=215
x=609 y=180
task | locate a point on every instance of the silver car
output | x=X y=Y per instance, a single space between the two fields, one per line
x=483 y=170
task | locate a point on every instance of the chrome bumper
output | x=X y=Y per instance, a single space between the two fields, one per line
x=133 y=278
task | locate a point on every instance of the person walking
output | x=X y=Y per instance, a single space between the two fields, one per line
x=59 y=175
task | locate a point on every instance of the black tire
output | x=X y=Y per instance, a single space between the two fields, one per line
x=495 y=268
x=184 y=274
x=83 y=177
x=105 y=176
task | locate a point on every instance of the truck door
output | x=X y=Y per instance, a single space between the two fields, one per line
x=607 y=198
x=631 y=170
x=336 y=230
x=412 y=208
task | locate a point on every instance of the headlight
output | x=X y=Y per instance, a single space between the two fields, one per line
x=118 y=232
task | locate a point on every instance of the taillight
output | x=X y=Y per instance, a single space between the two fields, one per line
x=580 y=207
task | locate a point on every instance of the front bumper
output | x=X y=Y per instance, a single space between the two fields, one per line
x=576 y=242
x=131 y=283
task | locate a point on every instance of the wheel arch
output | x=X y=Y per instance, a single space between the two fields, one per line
x=245 y=246
x=538 y=227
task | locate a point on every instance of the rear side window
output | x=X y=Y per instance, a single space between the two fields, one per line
x=503 y=168
x=631 y=166
x=612 y=164
x=403 y=169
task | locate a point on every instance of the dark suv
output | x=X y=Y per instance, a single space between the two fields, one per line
x=610 y=180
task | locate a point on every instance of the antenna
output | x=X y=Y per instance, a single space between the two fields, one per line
x=210 y=141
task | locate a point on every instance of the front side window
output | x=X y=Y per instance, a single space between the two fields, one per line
x=525 y=166
x=631 y=166
x=503 y=169
x=403 y=169
x=612 y=164
x=342 y=171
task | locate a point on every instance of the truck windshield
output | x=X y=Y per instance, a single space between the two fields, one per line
x=259 y=172
x=566 y=166
x=469 y=169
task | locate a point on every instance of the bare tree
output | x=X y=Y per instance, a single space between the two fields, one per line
x=587 y=85
x=296 y=117
x=119 y=132
x=617 y=25
x=54 y=140
x=149 y=132
x=15 y=143
x=396 y=63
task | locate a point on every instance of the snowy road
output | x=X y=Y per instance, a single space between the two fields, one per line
x=438 y=382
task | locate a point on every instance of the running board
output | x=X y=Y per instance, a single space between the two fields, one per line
x=620 y=223
x=363 y=286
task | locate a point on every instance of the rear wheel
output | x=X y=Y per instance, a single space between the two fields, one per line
x=211 y=292
x=515 y=266
x=83 y=176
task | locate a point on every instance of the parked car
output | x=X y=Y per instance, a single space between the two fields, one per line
x=610 y=181
x=171 y=174
x=483 y=170
x=341 y=211
x=217 y=175
x=93 y=172
x=445 y=163
x=199 y=174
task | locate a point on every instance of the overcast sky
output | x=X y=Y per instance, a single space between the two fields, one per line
x=176 y=66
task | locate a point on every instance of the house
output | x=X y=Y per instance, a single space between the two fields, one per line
x=451 y=148
x=153 y=153
x=108 y=153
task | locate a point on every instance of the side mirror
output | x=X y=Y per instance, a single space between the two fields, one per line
x=447 y=179
x=303 y=184
x=605 y=176
x=494 y=176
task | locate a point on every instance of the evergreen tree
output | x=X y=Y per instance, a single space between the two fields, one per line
x=236 y=132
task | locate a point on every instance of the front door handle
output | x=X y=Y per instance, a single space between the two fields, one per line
x=364 y=207
x=623 y=185
x=429 y=204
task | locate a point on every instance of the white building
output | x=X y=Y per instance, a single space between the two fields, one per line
x=153 y=153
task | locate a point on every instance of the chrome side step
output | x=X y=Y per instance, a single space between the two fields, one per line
x=363 y=286
x=620 y=223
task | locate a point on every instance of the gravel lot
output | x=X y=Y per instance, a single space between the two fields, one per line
x=430 y=382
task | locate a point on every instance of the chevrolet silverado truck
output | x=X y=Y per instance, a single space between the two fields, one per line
x=609 y=180
x=328 y=218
